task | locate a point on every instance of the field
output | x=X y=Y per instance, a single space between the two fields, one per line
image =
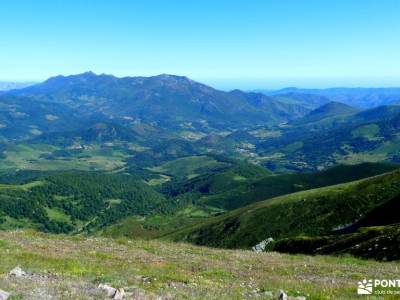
x=34 y=157
x=188 y=167
x=71 y=267
x=156 y=226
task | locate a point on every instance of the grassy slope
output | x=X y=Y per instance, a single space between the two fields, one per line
x=156 y=226
x=312 y=212
x=328 y=113
x=227 y=190
x=375 y=235
x=73 y=266
x=377 y=242
x=223 y=191
x=189 y=166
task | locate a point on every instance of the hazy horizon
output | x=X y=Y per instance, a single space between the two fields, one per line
x=255 y=83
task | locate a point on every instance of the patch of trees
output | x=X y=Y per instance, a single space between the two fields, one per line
x=95 y=198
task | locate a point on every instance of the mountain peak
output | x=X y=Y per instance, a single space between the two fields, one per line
x=171 y=78
x=334 y=107
x=89 y=76
x=79 y=75
x=328 y=110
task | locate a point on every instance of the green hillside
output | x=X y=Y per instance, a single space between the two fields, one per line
x=125 y=205
x=378 y=242
x=76 y=201
x=242 y=185
x=313 y=212
x=374 y=235
x=331 y=110
x=189 y=167
x=369 y=136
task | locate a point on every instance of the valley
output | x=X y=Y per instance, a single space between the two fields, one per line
x=186 y=151
x=163 y=166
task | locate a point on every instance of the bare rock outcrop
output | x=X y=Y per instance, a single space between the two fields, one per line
x=116 y=294
x=4 y=295
x=17 y=272
x=261 y=246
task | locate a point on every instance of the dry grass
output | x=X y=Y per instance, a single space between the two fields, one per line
x=71 y=267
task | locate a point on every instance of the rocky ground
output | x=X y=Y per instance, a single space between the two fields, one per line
x=66 y=267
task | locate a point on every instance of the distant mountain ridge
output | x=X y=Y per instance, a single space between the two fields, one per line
x=358 y=97
x=10 y=85
x=163 y=99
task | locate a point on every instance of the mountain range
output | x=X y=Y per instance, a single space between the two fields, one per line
x=358 y=97
x=87 y=111
x=167 y=101
x=170 y=158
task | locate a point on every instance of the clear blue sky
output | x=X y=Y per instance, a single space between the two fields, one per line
x=245 y=44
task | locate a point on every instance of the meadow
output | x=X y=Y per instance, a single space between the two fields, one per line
x=71 y=267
